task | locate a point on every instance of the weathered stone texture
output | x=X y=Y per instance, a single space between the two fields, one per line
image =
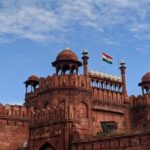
x=13 y=137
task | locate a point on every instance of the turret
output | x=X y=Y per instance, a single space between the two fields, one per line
x=32 y=81
x=123 y=76
x=85 y=62
x=145 y=83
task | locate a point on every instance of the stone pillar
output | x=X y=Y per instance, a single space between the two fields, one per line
x=26 y=88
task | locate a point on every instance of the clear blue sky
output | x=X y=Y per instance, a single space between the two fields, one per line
x=33 y=32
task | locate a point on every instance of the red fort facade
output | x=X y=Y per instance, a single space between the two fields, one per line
x=69 y=111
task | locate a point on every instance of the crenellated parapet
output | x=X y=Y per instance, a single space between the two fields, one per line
x=60 y=81
x=140 y=112
x=14 y=114
x=64 y=80
x=140 y=100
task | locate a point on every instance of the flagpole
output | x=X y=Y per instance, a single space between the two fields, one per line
x=101 y=69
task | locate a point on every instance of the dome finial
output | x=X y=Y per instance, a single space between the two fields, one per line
x=85 y=52
x=67 y=48
x=122 y=63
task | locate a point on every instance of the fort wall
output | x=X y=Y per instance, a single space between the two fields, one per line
x=14 y=128
x=128 y=141
x=140 y=112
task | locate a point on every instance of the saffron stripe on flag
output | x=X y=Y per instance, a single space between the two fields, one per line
x=107 y=58
x=107 y=55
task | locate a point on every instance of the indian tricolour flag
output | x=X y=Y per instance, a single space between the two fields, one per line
x=107 y=58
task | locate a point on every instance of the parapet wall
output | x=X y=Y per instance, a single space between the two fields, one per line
x=107 y=88
x=59 y=81
x=140 y=112
x=108 y=82
x=63 y=80
x=14 y=112
x=140 y=100
x=130 y=141
x=14 y=127
x=108 y=96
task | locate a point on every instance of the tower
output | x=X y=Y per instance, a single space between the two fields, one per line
x=123 y=76
x=62 y=104
x=85 y=62
x=141 y=109
x=145 y=84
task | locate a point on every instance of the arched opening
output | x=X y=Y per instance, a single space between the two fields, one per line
x=58 y=70
x=47 y=146
x=66 y=69
x=74 y=70
x=146 y=90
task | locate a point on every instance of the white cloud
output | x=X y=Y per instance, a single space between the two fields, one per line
x=144 y=49
x=110 y=41
x=140 y=27
x=48 y=19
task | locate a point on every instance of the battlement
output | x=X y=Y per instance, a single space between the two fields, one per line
x=14 y=114
x=140 y=113
x=140 y=100
x=60 y=81
x=63 y=81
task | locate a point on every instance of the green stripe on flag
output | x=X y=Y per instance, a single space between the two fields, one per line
x=110 y=62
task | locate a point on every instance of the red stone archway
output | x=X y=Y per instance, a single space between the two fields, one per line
x=47 y=146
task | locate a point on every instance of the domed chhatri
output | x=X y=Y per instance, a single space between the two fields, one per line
x=67 y=54
x=66 y=62
x=32 y=81
x=145 y=84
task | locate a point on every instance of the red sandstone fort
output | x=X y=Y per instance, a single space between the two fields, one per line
x=69 y=111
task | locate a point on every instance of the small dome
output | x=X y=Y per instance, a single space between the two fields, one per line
x=33 y=78
x=146 y=77
x=85 y=51
x=67 y=54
